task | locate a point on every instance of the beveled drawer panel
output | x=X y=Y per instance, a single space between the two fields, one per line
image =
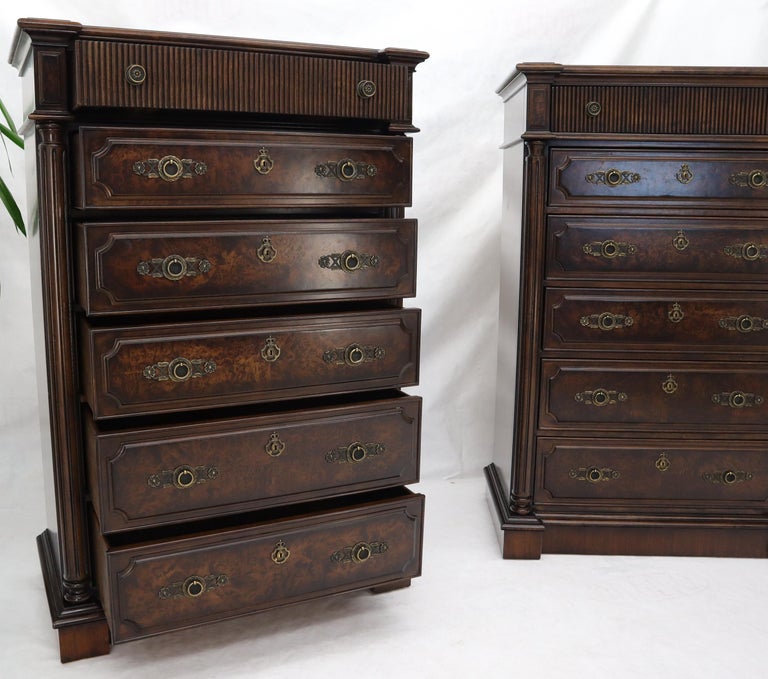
x=605 y=319
x=621 y=395
x=163 y=266
x=598 y=175
x=198 y=169
x=674 y=472
x=681 y=248
x=183 y=366
x=117 y=74
x=149 y=476
x=163 y=585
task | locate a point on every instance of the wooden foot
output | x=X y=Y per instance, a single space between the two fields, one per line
x=391 y=586
x=83 y=641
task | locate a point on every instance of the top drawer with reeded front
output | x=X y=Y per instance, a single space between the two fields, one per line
x=363 y=84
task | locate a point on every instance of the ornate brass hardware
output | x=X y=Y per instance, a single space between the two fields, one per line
x=275 y=446
x=593 y=109
x=266 y=252
x=184 y=476
x=594 y=474
x=280 y=554
x=727 y=477
x=354 y=354
x=752 y=179
x=180 y=369
x=680 y=241
x=676 y=313
x=606 y=321
x=366 y=89
x=263 y=163
x=359 y=553
x=613 y=177
x=173 y=267
x=354 y=452
x=737 y=399
x=750 y=252
x=193 y=587
x=609 y=249
x=669 y=385
x=744 y=323
x=135 y=74
x=662 y=463
x=601 y=397
x=348 y=261
x=270 y=352
x=684 y=174
x=169 y=168
x=346 y=170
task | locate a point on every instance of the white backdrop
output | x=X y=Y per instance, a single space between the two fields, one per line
x=474 y=45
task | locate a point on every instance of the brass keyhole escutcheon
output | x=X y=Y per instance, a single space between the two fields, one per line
x=263 y=163
x=676 y=313
x=270 y=352
x=680 y=241
x=669 y=385
x=663 y=463
x=275 y=446
x=281 y=553
x=266 y=252
x=684 y=174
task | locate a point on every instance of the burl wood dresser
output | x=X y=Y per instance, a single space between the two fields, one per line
x=632 y=412
x=221 y=259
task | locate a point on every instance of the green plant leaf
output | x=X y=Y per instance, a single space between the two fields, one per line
x=13 y=209
x=10 y=130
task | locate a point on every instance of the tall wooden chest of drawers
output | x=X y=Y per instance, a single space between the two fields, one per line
x=632 y=407
x=220 y=264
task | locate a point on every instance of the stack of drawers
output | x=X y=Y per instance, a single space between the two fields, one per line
x=641 y=422
x=224 y=258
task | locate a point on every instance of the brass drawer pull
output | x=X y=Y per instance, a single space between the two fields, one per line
x=593 y=109
x=270 y=352
x=749 y=252
x=737 y=399
x=348 y=261
x=275 y=446
x=359 y=553
x=173 y=267
x=594 y=474
x=366 y=89
x=354 y=354
x=727 y=477
x=744 y=323
x=135 y=74
x=601 y=397
x=184 y=476
x=193 y=587
x=609 y=249
x=354 y=452
x=281 y=553
x=613 y=177
x=263 y=163
x=752 y=179
x=169 y=168
x=179 y=369
x=346 y=170
x=606 y=321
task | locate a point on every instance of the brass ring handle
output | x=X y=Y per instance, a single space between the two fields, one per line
x=606 y=321
x=360 y=552
x=135 y=74
x=613 y=177
x=173 y=267
x=366 y=89
x=169 y=168
x=601 y=397
x=346 y=170
x=594 y=474
x=609 y=249
x=737 y=399
x=752 y=179
x=193 y=587
x=354 y=354
x=744 y=324
x=184 y=476
x=179 y=369
x=354 y=453
x=749 y=252
x=727 y=477
x=348 y=261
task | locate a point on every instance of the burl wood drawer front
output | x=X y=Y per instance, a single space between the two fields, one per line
x=603 y=319
x=163 y=368
x=148 y=477
x=673 y=472
x=181 y=582
x=609 y=175
x=164 y=168
x=164 y=266
x=691 y=249
x=618 y=395
x=168 y=77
